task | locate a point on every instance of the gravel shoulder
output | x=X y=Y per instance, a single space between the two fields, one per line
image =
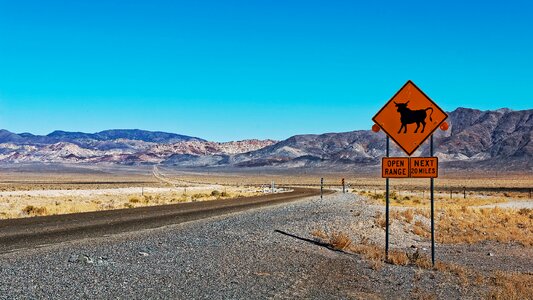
x=262 y=253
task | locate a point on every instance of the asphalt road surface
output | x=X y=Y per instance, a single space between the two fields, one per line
x=38 y=231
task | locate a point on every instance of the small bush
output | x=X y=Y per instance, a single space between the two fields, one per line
x=339 y=241
x=377 y=196
x=380 y=220
x=34 y=211
x=398 y=258
x=198 y=196
x=224 y=194
x=134 y=200
x=215 y=193
x=128 y=205
x=148 y=198
x=408 y=215
x=420 y=229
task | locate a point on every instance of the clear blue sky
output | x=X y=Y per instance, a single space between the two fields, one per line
x=225 y=70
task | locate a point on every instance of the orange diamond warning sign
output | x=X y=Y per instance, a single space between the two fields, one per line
x=409 y=117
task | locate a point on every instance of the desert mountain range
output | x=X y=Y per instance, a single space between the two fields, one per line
x=498 y=139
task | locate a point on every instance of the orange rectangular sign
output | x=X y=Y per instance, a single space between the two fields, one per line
x=424 y=167
x=395 y=167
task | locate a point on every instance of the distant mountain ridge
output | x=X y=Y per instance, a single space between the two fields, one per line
x=497 y=139
x=106 y=135
x=117 y=146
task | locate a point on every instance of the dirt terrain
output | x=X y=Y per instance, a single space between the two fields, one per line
x=330 y=248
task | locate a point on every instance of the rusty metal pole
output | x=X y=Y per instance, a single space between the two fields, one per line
x=432 y=209
x=387 y=209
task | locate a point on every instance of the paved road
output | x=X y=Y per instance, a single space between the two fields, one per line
x=37 y=231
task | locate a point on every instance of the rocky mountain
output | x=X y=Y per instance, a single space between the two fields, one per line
x=499 y=139
x=113 y=146
x=92 y=140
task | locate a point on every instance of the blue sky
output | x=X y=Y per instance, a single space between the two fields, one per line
x=225 y=70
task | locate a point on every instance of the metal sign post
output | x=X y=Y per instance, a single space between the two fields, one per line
x=408 y=108
x=321 y=187
x=432 y=208
x=387 y=209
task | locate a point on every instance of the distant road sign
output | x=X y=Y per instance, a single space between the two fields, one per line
x=409 y=117
x=424 y=167
x=395 y=167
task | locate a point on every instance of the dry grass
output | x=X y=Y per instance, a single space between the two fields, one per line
x=35 y=203
x=31 y=210
x=460 y=220
x=442 y=201
x=408 y=215
x=471 y=225
x=339 y=240
x=510 y=286
x=420 y=229
x=397 y=257
x=498 y=285
x=380 y=220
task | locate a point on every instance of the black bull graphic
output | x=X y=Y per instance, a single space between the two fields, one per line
x=408 y=116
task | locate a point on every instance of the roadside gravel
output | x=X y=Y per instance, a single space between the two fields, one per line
x=262 y=253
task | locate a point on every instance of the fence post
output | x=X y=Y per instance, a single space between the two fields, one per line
x=321 y=187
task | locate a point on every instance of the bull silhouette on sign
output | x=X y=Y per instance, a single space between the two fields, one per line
x=408 y=116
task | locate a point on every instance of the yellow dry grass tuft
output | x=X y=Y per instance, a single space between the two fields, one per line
x=339 y=240
x=380 y=220
x=397 y=257
x=510 y=286
x=408 y=215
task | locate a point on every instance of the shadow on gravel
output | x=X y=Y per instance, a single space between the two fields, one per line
x=321 y=244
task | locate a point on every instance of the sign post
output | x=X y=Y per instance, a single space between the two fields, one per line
x=408 y=108
x=432 y=208
x=321 y=187
x=387 y=209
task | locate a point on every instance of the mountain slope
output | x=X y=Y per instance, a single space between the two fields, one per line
x=494 y=137
x=500 y=139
